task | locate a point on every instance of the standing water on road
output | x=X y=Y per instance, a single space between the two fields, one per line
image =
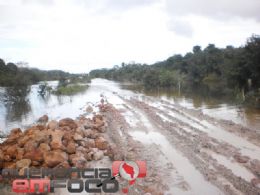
x=195 y=154
x=25 y=112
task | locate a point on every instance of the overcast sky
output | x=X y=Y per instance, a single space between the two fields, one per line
x=80 y=35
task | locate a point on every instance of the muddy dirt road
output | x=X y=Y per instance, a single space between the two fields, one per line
x=187 y=152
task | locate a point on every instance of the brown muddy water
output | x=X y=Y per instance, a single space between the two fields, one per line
x=219 y=107
x=191 y=153
x=25 y=109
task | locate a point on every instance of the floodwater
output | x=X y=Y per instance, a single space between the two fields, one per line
x=25 y=110
x=219 y=107
x=172 y=147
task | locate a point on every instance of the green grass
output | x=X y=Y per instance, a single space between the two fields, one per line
x=70 y=89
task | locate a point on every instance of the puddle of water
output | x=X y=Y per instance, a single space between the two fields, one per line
x=196 y=180
x=236 y=168
x=191 y=120
x=246 y=147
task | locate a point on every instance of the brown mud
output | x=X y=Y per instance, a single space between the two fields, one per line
x=186 y=151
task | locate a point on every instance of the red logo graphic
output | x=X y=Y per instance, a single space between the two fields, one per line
x=129 y=170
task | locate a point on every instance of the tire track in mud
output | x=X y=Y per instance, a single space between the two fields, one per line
x=249 y=134
x=252 y=150
x=126 y=148
x=191 y=146
x=183 y=179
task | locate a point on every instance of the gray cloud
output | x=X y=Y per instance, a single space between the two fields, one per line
x=180 y=27
x=220 y=9
x=106 y=6
x=39 y=2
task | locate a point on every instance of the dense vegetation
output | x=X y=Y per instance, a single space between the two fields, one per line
x=12 y=75
x=222 y=71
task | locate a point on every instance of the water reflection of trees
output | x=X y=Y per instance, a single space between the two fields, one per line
x=16 y=102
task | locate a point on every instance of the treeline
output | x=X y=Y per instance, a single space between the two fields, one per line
x=12 y=75
x=222 y=70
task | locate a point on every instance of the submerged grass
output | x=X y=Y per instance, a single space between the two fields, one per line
x=70 y=89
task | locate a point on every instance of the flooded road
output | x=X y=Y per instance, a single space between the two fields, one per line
x=25 y=112
x=188 y=150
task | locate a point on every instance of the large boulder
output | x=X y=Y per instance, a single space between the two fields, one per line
x=40 y=136
x=56 y=137
x=44 y=147
x=14 y=135
x=68 y=122
x=22 y=140
x=34 y=155
x=30 y=146
x=71 y=147
x=53 y=158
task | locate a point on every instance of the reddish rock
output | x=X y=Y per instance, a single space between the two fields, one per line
x=22 y=140
x=68 y=122
x=77 y=137
x=78 y=160
x=68 y=136
x=23 y=163
x=71 y=148
x=34 y=155
x=11 y=150
x=241 y=159
x=64 y=164
x=1 y=155
x=19 y=154
x=44 y=147
x=101 y=143
x=7 y=158
x=36 y=163
x=14 y=135
x=40 y=136
x=53 y=158
x=56 y=137
x=53 y=125
x=65 y=128
x=98 y=122
x=9 y=165
x=90 y=143
x=87 y=133
x=30 y=145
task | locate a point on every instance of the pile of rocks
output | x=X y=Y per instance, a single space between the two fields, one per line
x=64 y=143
